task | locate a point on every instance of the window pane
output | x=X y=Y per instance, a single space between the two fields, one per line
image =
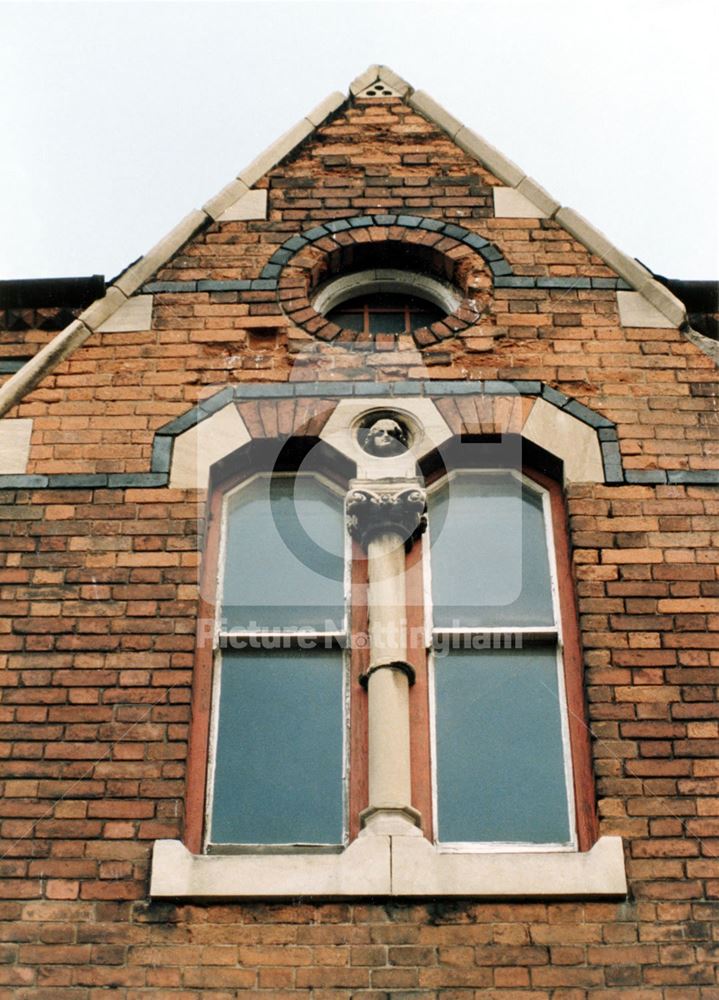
x=347 y=320
x=424 y=317
x=278 y=772
x=489 y=553
x=386 y=312
x=284 y=564
x=387 y=322
x=500 y=765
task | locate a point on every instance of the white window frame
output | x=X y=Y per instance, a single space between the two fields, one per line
x=385 y=279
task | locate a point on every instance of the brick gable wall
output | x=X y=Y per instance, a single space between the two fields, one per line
x=99 y=590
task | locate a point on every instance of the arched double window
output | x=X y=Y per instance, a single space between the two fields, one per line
x=494 y=697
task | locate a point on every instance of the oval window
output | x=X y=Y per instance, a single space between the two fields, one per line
x=386 y=300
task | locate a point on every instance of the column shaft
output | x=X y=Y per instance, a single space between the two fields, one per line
x=388 y=690
x=385 y=518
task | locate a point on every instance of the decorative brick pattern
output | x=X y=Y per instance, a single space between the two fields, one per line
x=162 y=443
x=49 y=319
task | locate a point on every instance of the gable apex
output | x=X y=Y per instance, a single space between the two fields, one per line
x=379 y=75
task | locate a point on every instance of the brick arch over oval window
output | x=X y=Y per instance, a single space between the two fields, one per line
x=465 y=262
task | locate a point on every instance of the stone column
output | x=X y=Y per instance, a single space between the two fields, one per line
x=386 y=519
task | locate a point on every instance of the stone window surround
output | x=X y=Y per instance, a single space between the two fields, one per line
x=390 y=857
x=388 y=866
x=403 y=282
x=583 y=440
x=220 y=408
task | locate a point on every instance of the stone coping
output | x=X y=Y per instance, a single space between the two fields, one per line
x=146 y=267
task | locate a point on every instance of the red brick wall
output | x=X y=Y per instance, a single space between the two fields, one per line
x=99 y=590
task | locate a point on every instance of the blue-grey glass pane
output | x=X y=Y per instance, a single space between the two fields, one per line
x=284 y=564
x=278 y=772
x=500 y=765
x=489 y=553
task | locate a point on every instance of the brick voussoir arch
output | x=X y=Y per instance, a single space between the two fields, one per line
x=410 y=243
x=483 y=407
x=165 y=437
x=403 y=223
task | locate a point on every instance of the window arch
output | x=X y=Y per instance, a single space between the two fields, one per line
x=386 y=300
x=403 y=281
x=401 y=255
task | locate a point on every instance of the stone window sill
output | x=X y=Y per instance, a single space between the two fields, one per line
x=381 y=865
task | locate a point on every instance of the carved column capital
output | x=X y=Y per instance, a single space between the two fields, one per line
x=375 y=511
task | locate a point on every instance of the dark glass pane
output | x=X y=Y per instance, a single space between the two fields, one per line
x=388 y=300
x=387 y=322
x=347 y=320
x=379 y=300
x=278 y=771
x=489 y=553
x=500 y=764
x=424 y=317
x=284 y=563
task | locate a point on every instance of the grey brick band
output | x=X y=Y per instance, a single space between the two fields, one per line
x=159 y=474
x=501 y=270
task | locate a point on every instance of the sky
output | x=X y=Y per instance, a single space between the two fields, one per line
x=118 y=118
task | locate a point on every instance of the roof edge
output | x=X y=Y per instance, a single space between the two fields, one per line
x=46 y=359
x=378 y=72
x=282 y=147
x=134 y=276
x=53 y=293
x=641 y=280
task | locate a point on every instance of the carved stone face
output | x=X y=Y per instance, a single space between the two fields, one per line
x=384 y=438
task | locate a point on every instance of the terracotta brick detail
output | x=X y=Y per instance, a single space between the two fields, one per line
x=274 y=418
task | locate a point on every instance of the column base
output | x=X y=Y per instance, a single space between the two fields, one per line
x=390 y=820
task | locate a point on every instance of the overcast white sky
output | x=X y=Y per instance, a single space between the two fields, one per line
x=116 y=119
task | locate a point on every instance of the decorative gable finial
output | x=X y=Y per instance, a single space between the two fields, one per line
x=379 y=89
x=379 y=81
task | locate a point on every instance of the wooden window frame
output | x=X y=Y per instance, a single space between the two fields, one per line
x=367 y=310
